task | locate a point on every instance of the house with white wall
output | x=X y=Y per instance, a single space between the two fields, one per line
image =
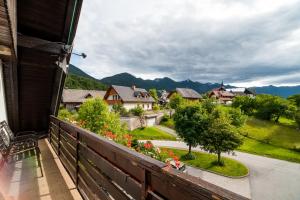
x=129 y=97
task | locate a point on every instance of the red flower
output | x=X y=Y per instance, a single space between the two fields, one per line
x=148 y=145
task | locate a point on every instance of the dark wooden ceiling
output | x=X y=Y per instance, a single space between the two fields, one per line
x=34 y=91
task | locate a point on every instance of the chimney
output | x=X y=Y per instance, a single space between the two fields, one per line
x=133 y=87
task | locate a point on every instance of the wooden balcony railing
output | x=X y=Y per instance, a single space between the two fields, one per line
x=102 y=169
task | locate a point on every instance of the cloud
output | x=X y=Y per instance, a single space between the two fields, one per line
x=239 y=42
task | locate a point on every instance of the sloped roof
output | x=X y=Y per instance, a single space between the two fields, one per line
x=127 y=94
x=188 y=93
x=79 y=96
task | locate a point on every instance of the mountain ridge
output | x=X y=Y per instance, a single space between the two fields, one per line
x=127 y=79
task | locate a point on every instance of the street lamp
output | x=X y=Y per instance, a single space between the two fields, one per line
x=83 y=55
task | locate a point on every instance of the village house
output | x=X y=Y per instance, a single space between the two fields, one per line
x=129 y=97
x=242 y=91
x=186 y=93
x=73 y=98
x=221 y=95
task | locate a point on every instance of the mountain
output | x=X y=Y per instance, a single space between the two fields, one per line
x=168 y=84
x=78 y=79
x=76 y=71
x=283 y=91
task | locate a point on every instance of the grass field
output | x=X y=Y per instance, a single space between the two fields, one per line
x=206 y=161
x=283 y=135
x=259 y=148
x=151 y=133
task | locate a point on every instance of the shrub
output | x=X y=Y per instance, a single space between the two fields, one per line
x=119 y=108
x=156 y=107
x=64 y=114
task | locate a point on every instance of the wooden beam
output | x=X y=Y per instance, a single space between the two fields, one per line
x=55 y=48
x=58 y=83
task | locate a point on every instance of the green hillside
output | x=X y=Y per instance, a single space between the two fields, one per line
x=79 y=82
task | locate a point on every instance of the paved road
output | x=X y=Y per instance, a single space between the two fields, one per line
x=269 y=179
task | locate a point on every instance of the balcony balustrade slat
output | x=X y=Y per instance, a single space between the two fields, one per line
x=86 y=191
x=102 y=180
x=68 y=147
x=70 y=139
x=92 y=184
x=131 y=186
x=68 y=165
x=103 y=169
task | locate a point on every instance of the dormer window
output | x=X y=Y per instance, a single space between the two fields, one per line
x=116 y=97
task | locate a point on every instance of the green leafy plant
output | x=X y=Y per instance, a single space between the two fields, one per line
x=191 y=121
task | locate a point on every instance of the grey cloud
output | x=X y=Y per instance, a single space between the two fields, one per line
x=201 y=50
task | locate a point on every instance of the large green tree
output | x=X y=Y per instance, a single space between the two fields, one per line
x=271 y=107
x=245 y=103
x=176 y=101
x=295 y=99
x=191 y=121
x=220 y=136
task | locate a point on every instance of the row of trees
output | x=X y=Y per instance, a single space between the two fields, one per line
x=213 y=128
x=269 y=107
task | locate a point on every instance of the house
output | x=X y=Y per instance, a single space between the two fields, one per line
x=186 y=93
x=242 y=91
x=163 y=97
x=221 y=95
x=73 y=98
x=129 y=97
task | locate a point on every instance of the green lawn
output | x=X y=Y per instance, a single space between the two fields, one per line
x=259 y=148
x=151 y=133
x=205 y=161
x=283 y=134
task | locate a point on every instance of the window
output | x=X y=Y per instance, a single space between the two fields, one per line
x=116 y=97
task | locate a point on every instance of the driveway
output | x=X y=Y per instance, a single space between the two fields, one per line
x=269 y=179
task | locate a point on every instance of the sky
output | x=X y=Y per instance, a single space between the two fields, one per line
x=244 y=43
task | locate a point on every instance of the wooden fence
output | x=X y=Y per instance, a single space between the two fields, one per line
x=102 y=169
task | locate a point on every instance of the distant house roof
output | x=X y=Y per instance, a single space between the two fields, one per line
x=79 y=96
x=241 y=91
x=188 y=93
x=132 y=94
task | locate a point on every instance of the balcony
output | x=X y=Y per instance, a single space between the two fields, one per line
x=22 y=179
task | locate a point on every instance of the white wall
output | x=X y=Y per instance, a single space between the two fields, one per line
x=147 y=106
x=3 y=115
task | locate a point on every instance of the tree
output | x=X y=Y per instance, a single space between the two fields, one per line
x=64 y=114
x=271 y=107
x=139 y=112
x=153 y=93
x=119 y=108
x=93 y=114
x=176 y=101
x=236 y=116
x=191 y=121
x=295 y=99
x=245 y=103
x=208 y=104
x=220 y=136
